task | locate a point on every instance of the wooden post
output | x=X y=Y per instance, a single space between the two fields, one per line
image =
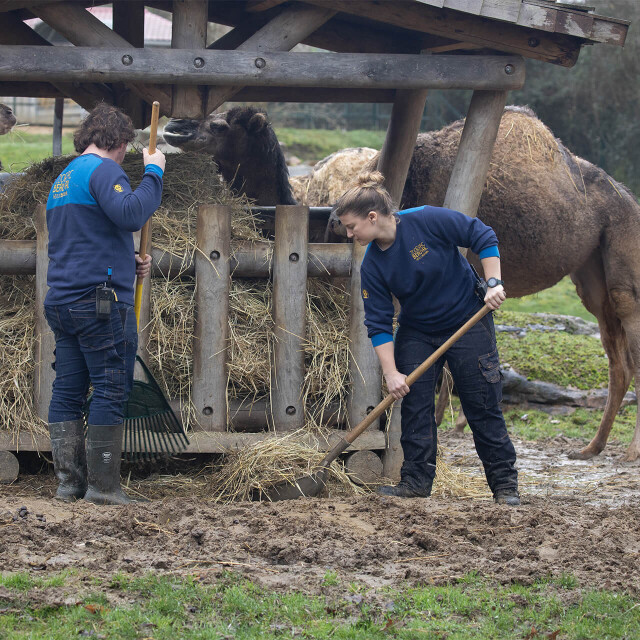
x=188 y=31
x=289 y=315
x=364 y=467
x=394 y=162
x=474 y=153
x=44 y=339
x=211 y=326
x=58 y=113
x=393 y=456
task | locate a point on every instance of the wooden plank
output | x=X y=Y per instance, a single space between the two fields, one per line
x=505 y=10
x=312 y=94
x=85 y=30
x=537 y=17
x=556 y=48
x=289 y=316
x=188 y=31
x=262 y=5
x=468 y=6
x=339 y=70
x=44 y=340
x=18 y=257
x=609 y=32
x=211 y=324
x=213 y=442
x=283 y=33
x=574 y=24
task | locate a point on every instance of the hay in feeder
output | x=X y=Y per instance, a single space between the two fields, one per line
x=190 y=179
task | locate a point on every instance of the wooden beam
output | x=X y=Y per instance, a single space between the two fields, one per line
x=503 y=36
x=311 y=94
x=337 y=70
x=15 y=32
x=18 y=257
x=188 y=31
x=85 y=30
x=281 y=34
x=474 y=152
x=211 y=442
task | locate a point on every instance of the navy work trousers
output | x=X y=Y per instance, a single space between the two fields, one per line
x=473 y=361
x=89 y=350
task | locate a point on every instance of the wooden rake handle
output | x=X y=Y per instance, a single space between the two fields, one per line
x=144 y=234
x=411 y=378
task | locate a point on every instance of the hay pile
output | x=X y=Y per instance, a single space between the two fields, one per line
x=331 y=177
x=190 y=179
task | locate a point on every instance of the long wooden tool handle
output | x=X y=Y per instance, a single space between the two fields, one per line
x=144 y=234
x=411 y=378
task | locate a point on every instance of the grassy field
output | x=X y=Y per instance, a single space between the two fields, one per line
x=171 y=607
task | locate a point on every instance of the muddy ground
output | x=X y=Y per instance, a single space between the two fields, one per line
x=578 y=518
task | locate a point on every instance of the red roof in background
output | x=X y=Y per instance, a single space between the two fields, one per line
x=156 y=28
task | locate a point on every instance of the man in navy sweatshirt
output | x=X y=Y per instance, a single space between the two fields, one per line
x=91 y=214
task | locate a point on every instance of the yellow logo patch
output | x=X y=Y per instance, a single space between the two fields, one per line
x=365 y=293
x=117 y=187
x=419 y=251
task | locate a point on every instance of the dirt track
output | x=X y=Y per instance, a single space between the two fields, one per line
x=376 y=541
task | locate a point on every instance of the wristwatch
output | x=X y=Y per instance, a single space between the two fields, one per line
x=493 y=282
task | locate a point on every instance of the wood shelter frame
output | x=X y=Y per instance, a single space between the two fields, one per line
x=375 y=51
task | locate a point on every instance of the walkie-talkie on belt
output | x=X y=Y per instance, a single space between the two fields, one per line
x=105 y=296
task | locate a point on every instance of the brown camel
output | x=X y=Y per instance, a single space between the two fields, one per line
x=7 y=120
x=554 y=214
x=245 y=148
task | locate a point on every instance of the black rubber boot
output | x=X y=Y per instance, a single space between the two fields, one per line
x=69 y=459
x=510 y=497
x=404 y=490
x=104 y=449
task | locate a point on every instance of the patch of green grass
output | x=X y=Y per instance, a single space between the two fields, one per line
x=561 y=298
x=583 y=423
x=20 y=149
x=311 y=145
x=169 y=607
x=564 y=359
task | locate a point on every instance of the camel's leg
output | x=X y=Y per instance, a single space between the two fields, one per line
x=592 y=289
x=622 y=270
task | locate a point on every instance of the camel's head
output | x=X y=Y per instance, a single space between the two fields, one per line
x=227 y=136
x=7 y=119
x=336 y=231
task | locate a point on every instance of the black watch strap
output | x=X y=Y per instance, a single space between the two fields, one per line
x=493 y=282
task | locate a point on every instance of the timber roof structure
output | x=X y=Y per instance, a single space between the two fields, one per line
x=367 y=49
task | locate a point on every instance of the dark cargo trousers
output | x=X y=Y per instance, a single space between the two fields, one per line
x=473 y=361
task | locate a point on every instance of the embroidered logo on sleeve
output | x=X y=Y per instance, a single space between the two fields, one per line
x=419 y=251
x=365 y=293
x=118 y=188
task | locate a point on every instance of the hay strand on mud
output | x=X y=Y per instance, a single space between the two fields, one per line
x=269 y=462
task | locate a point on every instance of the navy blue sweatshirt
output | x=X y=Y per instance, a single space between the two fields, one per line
x=423 y=268
x=91 y=214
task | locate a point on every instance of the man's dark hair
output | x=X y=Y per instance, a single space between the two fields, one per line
x=105 y=126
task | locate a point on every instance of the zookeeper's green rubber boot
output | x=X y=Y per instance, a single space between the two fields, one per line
x=69 y=459
x=104 y=450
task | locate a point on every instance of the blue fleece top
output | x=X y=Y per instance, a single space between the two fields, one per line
x=91 y=214
x=423 y=268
